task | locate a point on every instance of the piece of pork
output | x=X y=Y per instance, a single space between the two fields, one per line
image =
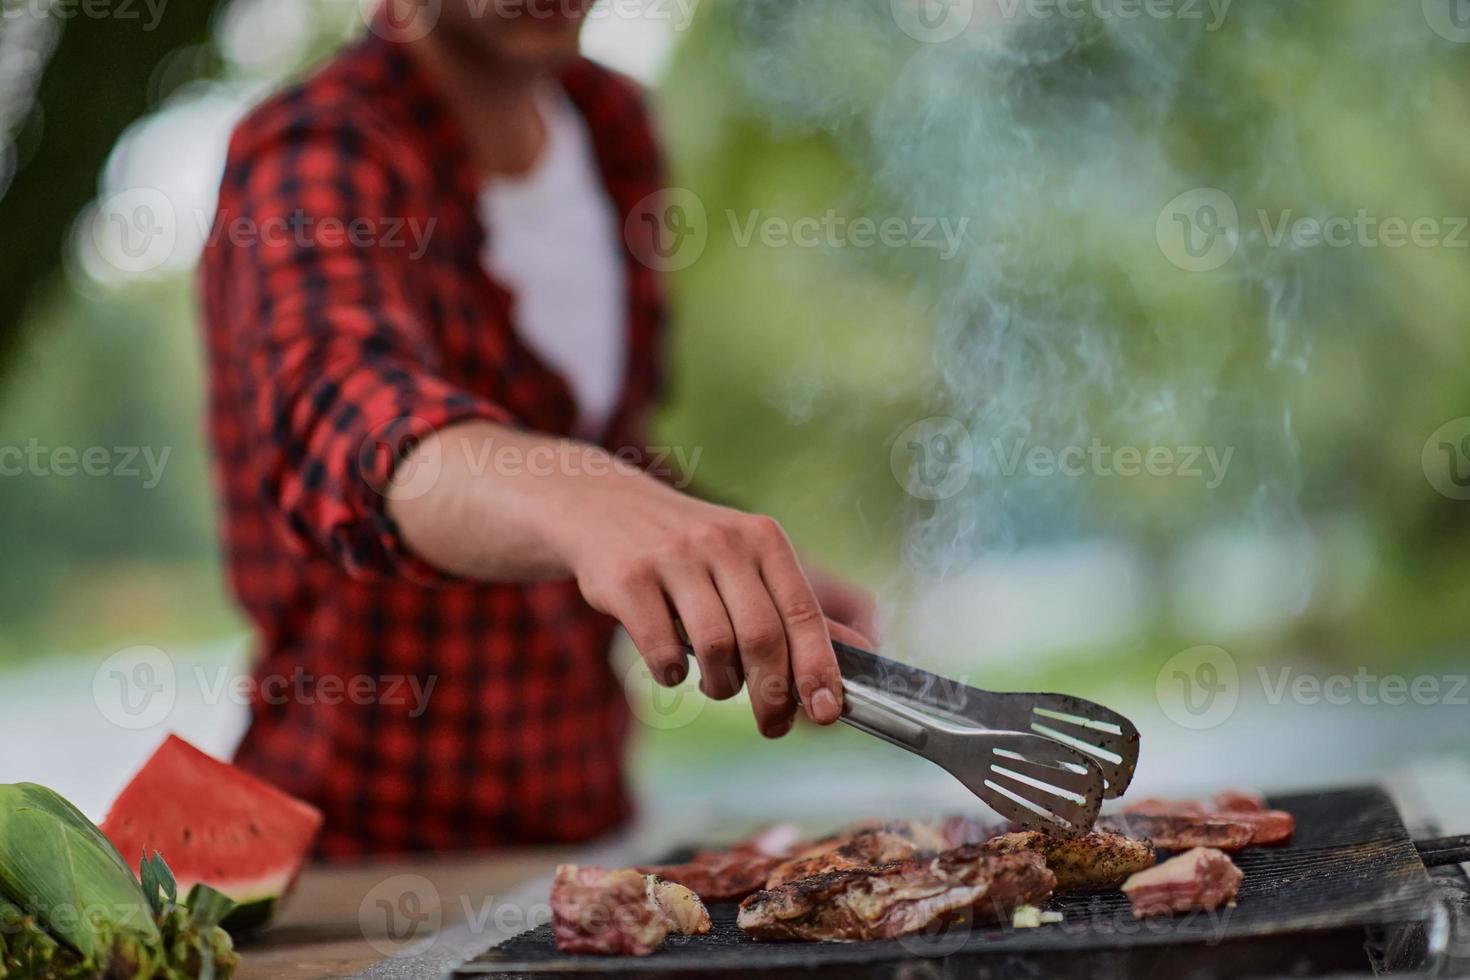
x=1157 y=806
x=620 y=912
x=777 y=840
x=729 y=875
x=1239 y=806
x=899 y=899
x=1201 y=878
x=871 y=843
x=1097 y=859
x=961 y=829
x=864 y=849
x=1239 y=801
x=599 y=910
x=1180 y=832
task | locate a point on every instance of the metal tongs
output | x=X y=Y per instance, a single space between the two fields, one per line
x=1045 y=761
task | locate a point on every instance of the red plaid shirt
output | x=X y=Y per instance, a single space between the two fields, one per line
x=330 y=346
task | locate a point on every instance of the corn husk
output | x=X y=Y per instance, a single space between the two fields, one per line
x=58 y=868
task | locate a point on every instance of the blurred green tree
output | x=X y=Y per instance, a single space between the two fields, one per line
x=103 y=73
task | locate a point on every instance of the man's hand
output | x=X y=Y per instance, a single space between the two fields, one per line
x=846 y=604
x=643 y=553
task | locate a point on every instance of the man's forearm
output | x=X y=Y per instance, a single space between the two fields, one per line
x=491 y=511
x=496 y=504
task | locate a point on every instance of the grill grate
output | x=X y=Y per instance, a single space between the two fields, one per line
x=1351 y=864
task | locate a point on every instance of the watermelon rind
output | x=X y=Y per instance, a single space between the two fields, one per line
x=215 y=825
x=248 y=917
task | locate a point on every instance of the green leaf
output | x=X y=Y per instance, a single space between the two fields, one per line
x=159 y=886
x=207 y=907
x=57 y=866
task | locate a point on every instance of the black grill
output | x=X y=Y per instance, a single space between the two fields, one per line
x=1350 y=865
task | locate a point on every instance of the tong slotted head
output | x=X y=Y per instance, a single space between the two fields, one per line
x=1030 y=779
x=1107 y=737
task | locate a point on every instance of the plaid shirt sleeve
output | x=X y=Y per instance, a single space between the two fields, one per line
x=336 y=372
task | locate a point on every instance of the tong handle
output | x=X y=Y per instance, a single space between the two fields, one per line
x=1444 y=850
x=870 y=712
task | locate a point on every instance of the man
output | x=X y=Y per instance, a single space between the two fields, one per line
x=377 y=402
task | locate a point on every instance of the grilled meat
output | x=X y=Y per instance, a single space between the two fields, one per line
x=1271 y=826
x=1225 y=801
x=1239 y=801
x=596 y=910
x=777 y=840
x=898 y=899
x=864 y=849
x=1202 y=878
x=1236 y=806
x=1155 y=806
x=1179 y=832
x=620 y=912
x=959 y=830
x=868 y=844
x=733 y=873
x=1098 y=859
x=719 y=876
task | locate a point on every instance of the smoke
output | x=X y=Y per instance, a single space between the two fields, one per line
x=1075 y=317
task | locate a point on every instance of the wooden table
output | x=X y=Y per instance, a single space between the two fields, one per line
x=344 y=918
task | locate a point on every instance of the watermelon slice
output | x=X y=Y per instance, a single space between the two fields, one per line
x=214 y=824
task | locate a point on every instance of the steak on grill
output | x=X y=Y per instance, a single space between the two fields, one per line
x=868 y=845
x=619 y=913
x=1236 y=806
x=731 y=874
x=861 y=850
x=1202 y=878
x=1270 y=826
x=1097 y=859
x=898 y=899
x=1180 y=832
x=1239 y=801
x=1158 y=807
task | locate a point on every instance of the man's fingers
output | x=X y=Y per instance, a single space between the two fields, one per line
x=703 y=614
x=848 y=635
x=859 y=617
x=761 y=637
x=640 y=606
x=813 y=664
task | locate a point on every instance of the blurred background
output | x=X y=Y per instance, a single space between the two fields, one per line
x=1120 y=347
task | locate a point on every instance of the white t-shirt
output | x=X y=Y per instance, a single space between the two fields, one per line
x=554 y=240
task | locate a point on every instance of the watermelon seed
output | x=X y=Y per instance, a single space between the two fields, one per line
x=188 y=835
